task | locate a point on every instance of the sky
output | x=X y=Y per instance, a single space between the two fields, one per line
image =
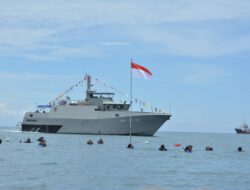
x=198 y=52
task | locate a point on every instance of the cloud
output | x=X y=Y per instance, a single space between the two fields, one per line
x=34 y=86
x=20 y=37
x=30 y=76
x=5 y=110
x=10 y=117
x=193 y=39
x=86 y=13
x=205 y=73
x=67 y=52
x=36 y=29
x=115 y=43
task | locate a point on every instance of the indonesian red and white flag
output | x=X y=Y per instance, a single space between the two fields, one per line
x=140 y=71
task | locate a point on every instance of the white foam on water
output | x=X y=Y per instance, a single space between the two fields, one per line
x=13 y=131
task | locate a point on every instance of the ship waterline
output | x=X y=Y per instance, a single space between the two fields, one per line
x=97 y=114
x=141 y=125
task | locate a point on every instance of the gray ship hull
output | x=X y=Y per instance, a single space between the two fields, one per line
x=241 y=131
x=144 y=125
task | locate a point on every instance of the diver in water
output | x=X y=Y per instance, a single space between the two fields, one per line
x=240 y=149
x=130 y=146
x=27 y=141
x=40 y=139
x=209 y=148
x=90 y=142
x=188 y=148
x=43 y=143
x=100 y=141
x=162 y=148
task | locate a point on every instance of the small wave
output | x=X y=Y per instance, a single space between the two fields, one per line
x=18 y=131
x=19 y=149
x=13 y=131
x=33 y=132
x=32 y=178
x=49 y=163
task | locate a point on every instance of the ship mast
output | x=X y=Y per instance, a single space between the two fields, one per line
x=88 y=91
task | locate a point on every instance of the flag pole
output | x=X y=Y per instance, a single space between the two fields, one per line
x=130 y=117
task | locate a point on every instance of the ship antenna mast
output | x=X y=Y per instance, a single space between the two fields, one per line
x=88 y=92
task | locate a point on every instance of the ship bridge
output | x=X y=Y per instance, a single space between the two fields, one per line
x=97 y=98
x=102 y=95
x=104 y=101
x=113 y=106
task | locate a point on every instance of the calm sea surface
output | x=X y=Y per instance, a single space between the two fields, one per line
x=69 y=163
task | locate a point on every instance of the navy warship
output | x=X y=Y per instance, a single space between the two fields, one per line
x=243 y=129
x=97 y=114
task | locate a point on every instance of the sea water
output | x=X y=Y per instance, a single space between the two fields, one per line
x=69 y=163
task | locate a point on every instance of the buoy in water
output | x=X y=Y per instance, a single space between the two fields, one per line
x=177 y=145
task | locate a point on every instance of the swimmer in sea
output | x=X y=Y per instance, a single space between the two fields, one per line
x=162 y=148
x=130 y=146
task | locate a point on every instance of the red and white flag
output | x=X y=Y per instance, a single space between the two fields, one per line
x=140 y=71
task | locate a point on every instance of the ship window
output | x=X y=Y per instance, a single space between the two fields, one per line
x=55 y=109
x=31 y=115
x=117 y=115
